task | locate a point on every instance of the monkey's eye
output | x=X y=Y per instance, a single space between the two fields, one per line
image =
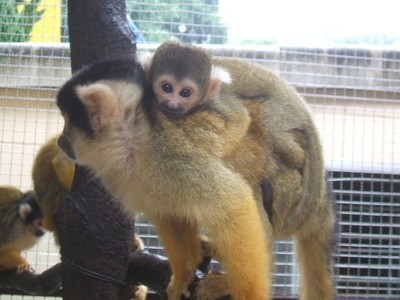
x=185 y=93
x=167 y=88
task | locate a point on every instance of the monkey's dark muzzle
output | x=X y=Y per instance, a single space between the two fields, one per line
x=65 y=145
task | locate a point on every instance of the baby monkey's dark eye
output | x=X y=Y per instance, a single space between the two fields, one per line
x=185 y=93
x=167 y=88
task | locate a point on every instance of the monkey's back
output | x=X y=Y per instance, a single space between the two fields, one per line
x=180 y=164
x=294 y=164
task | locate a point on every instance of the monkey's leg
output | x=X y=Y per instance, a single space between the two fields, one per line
x=241 y=243
x=12 y=260
x=182 y=245
x=314 y=252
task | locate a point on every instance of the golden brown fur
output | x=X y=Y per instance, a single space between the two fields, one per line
x=183 y=176
x=293 y=164
x=52 y=176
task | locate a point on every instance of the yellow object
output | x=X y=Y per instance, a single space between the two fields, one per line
x=48 y=28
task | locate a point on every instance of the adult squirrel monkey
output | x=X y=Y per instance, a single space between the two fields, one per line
x=21 y=227
x=178 y=172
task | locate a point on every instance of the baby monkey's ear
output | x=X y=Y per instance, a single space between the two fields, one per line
x=100 y=102
x=218 y=75
x=221 y=74
x=146 y=61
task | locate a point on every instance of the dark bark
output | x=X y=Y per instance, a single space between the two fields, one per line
x=95 y=239
x=98 y=30
x=94 y=234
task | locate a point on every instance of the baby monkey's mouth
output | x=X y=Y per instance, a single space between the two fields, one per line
x=172 y=113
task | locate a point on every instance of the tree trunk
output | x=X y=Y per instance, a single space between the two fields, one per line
x=95 y=235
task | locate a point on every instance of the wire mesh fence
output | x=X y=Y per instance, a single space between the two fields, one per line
x=351 y=83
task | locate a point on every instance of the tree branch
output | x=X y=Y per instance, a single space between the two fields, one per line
x=94 y=233
x=46 y=284
x=144 y=268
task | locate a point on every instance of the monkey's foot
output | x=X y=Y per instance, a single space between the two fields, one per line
x=213 y=287
x=176 y=292
x=140 y=292
x=22 y=268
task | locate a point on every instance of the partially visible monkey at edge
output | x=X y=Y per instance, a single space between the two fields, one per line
x=21 y=227
x=174 y=172
x=52 y=175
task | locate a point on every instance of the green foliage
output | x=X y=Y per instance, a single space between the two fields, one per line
x=16 y=26
x=160 y=20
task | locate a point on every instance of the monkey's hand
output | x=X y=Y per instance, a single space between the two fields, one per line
x=140 y=292
x=24 y=268
x=213 y=287
x=11 y=259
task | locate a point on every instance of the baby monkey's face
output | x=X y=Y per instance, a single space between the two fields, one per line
x=175 y=97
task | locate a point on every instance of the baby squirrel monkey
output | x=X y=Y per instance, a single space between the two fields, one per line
x=21 y=227
x=183 y=78
x=185 y=81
